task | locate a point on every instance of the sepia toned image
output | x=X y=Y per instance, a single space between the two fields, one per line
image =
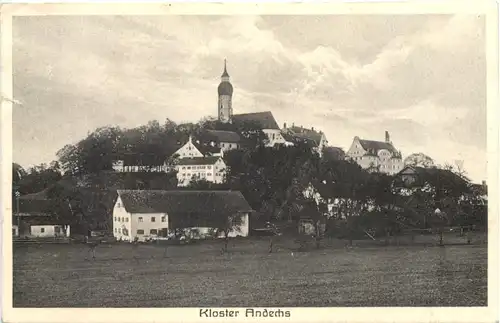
x=250 y=161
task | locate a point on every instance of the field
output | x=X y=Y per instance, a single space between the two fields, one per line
x=122 y=275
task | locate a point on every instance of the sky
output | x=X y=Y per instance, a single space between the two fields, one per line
x=420 y=77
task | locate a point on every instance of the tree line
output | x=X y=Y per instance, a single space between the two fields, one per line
x=339 y=193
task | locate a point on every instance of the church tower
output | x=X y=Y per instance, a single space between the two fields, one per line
x=225 y=90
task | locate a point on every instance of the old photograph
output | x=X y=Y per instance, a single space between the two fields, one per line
x=269 y=160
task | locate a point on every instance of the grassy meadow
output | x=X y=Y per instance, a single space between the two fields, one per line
x=367 y=274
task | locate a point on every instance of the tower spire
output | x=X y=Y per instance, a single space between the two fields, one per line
x=225 y=74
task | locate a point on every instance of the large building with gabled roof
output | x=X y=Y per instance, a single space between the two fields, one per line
x=147 y=214
x=376 y=156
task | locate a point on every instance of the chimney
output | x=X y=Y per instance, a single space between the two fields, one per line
x=312 y=128
x=484 y=183
x=284 y=125
x=387 y=137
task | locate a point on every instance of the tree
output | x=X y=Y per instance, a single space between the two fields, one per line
x=419 y=159
x=343 y=186
x=18 y=173
x=36 y=179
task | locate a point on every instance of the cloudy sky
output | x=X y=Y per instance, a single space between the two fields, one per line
x=422 y=78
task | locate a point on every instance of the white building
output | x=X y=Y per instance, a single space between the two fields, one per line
x=147 y=214
x=134 y=163
x=190 y=149
x=265 y=120
x=36 y=218
x=212 y=169
x=316 y=139
x=376 y=155
x=223 y=140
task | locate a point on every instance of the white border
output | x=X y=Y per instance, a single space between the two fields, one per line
x=400 y=314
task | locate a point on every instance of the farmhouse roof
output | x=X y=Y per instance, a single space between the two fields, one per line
x=210 y=160
x=373 y=147
x=183 y=202
x=264 y=119
x=223 y=136
x=43 y=220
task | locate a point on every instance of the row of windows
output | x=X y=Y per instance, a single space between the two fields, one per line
x=197 y=174
x=152 y=231
x=153 y=219
x=141 y=219
x=139 y=231
x=197 y=167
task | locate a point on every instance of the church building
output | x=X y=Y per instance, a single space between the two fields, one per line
x=264 y=119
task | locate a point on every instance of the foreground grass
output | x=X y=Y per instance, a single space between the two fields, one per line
x=199 y=275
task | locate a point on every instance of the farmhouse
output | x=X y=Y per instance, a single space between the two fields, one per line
x=36 y=219
x=211 y=169
x=379 y=156
x=146 y=214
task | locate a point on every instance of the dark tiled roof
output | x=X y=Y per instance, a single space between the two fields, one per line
x=183 y=202
x=32 y=207
x=264 y=119
x=305 y=133
x=288 y=137
x=372 y=147
x=206 y=149
x=199 y=160
x=223 y=136
x=42 y=220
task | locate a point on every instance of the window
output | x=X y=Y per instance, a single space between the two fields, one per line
x=140 y=231
x=141 y=219
x=126 y=219
x=209 y=167
x=183 y=167
x=153 y=219
x=116 y=230
x=42 y=230
x=163 y=219
x=57 y=230
x=189 y=167
x=153 y=231
x=118 y=205
x=119 y=230
x=123 y=219
x=115 y=218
